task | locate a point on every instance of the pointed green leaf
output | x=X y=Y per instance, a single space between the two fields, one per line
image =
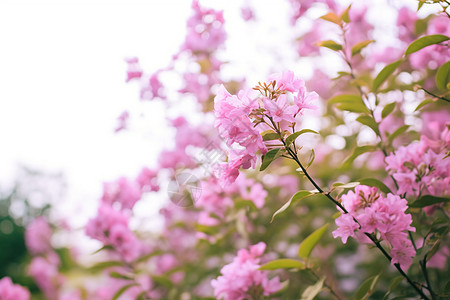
x=332 y=17
x=308 y=244
x=269 y=135
x=284 y=263
x=443 y=76
x=388 y=109
x=399 y=131
x=376 y=183
x=357 y=152
x=106 y=264
x=330 y=45
x=312 y=291
x=428 y=200
x=370 y=122
x=344 y=16
x=425 y=41
x=423 y=103
x=353 y=103
x=297 y=197
x=358 y=47
x=311 y=158
x=290 y=139
x=349 y=185
x=162 y=280
x=120 y=276
x=122 y=290
x=268 y=158
x=367 y=288
x=385 y=73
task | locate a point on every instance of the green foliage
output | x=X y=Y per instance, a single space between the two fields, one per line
x=376 y=183
x=367 y=288
x=425 y=41
x=352 y=103
x=297 y=197
x=388 y=109
x=360 y=46
x=308 y=244
x=385 y=73
x=443 y=76
x=270 y=156
x=428 y=200
x=284 y=263
x=290 y=139
x=330 y=45
x=312 y=291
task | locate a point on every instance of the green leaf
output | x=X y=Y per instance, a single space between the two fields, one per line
x=376 y=183
x=349 y=185
x=358 y=47
x=210 y=230
x=367 y=288
x=105 y=264
x=370 y=122
x=106 y=247
x=344 y=15
x=443 y=76
x=385 y=73
x=311 y=158
x=268 y=158
x=353 y=103
x=269 y=135
x=290 y=139
x=312 y=291
x=148 y=256
x=388 y=109
x=332 y=17
x=120 y=276
x=284 y=263
x=297 y=197
x=162 y=280
x=425 y=41
x=357 y=152
x=398 y=132
x=330 y=45
x=308 y=244
x=423 y=103
x=244 y=203
x=122 y=290
x=428 y=200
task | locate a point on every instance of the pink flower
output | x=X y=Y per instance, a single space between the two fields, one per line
x=241 y=278
x=124 y=191
x=280 y=110
x=287 y=81
x=10 y=291
x=45 y=273
x=134 y=71
x=147 y=180
x=38 y=235
x=247 y=13
x=122 y=121
x=402 y=252
x=346 y=227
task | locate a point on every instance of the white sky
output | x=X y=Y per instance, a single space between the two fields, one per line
x=62 y=85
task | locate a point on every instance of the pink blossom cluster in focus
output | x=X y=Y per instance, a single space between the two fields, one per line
x=242 y=117
x=241 y=279
x=377 y=215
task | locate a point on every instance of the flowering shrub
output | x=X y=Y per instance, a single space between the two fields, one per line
x=254 y=185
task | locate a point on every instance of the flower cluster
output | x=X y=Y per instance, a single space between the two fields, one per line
x=243 y=117
x=11 y=291
x=242 y=279
x=383 y=216
x=419 y=170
